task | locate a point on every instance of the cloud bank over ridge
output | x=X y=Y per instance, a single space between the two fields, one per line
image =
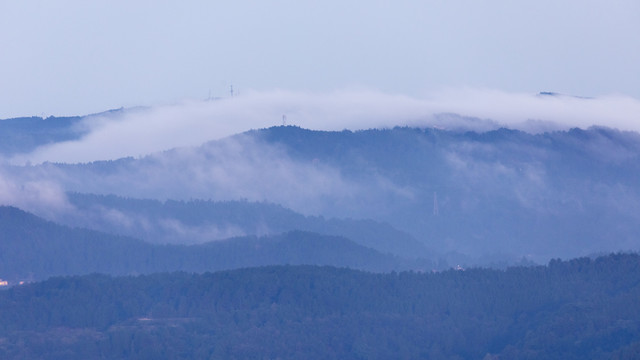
x=146 y=130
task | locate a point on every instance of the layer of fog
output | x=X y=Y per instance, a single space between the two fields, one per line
x=243 y=167
x=235 y=168
x=190 y=123
x=36 y=193
x=485 y=188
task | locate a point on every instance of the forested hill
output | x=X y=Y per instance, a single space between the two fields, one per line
x=504 y=192
x=562 y=194
x=25 y=134
x=578 y=309
x=32 y=248
x=197 y=221
x=21 y=135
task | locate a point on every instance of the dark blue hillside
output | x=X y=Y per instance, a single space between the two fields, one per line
x=21 y=135
x=496 y=194
x=34 y=249
x=578 y=309
x=25 y=134
x=197 y=221
x=559 y=193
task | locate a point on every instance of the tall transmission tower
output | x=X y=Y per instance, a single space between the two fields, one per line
x=231 y=90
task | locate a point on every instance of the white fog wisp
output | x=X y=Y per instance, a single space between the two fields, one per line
x=191 y=123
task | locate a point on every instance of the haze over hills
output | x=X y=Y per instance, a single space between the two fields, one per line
x=498 y=194
x=192 y=222
x=34 y=249
x=379 y=200
x=26 y=134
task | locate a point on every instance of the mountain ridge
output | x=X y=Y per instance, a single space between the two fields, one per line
x=32 y=248
x=502 y=192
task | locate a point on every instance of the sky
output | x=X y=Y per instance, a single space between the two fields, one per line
x=76 y=57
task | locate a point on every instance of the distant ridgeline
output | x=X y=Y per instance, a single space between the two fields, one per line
x=34 y=249
x=24 y=134
x=578 y=309
x=21 y=135
x=198 y=221
x=467 y=197
x=557 y=194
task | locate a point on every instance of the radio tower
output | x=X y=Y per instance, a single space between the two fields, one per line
x=436 y=211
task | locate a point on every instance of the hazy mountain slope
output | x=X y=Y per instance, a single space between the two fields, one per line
x=21 y=135
x=25 y=134
x=504 y=192
x=191 y=222
x=32 y=248
x=557 y=193
x=578 y=309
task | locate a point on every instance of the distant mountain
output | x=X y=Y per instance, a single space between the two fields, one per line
x=579 y=309
x=21 y=135
x=25 y=134
x=564 y=193
x=198 y=221
x=32 y=249
x=500 y=194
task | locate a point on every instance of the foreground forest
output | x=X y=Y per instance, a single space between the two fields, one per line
x=578 y=309
x=294 y=243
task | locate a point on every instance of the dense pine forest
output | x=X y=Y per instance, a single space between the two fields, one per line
x=579 y=309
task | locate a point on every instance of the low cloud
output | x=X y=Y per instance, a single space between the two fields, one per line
x=489 y=192
x=144 y=131
x=239 y=167
x=158 y=229
x=40 y=195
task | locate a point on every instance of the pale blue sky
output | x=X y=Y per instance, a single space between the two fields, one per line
x=69 y=57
